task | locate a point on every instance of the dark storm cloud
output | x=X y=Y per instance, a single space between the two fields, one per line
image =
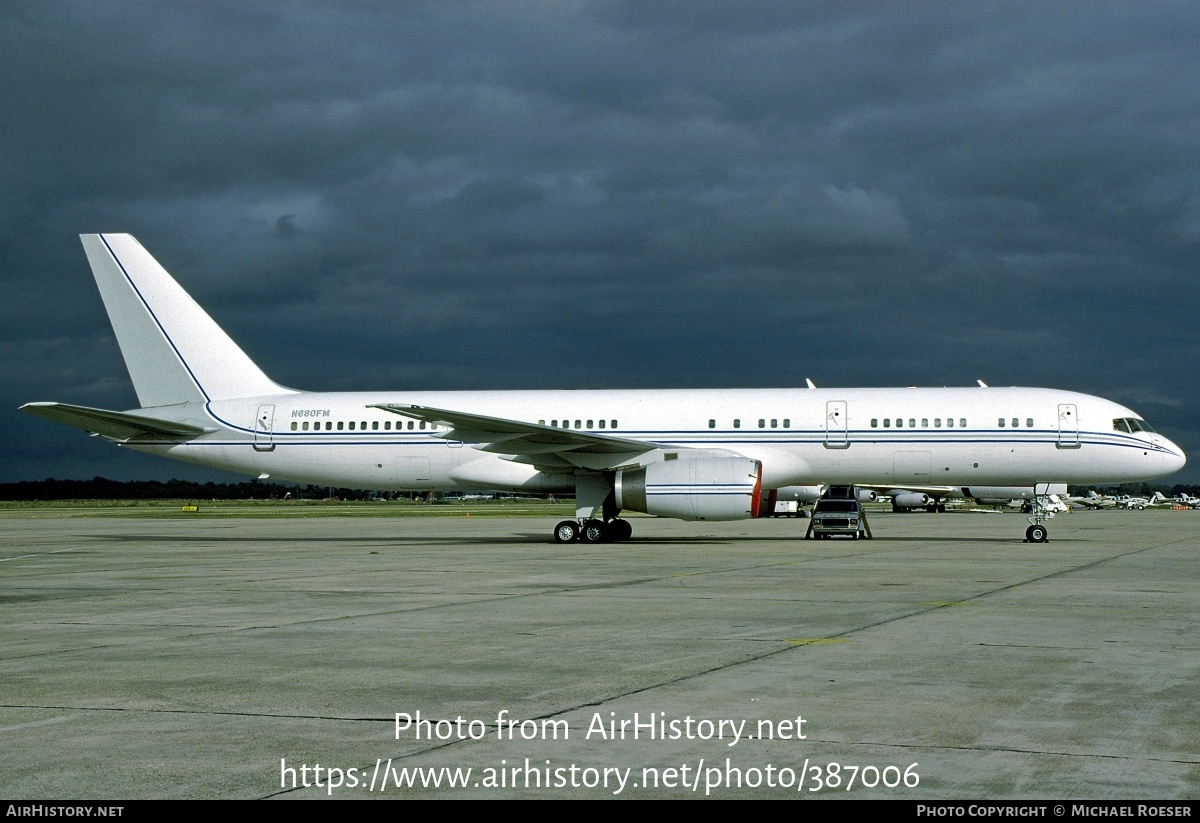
x=462 y=195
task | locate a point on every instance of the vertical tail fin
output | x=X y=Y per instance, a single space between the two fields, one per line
x=174 y=351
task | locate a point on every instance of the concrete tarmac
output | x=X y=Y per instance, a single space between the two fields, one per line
x=945 y=659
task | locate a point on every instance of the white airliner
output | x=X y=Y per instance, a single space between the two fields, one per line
x=681 y=453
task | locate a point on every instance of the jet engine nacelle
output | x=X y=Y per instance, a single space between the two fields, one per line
x=867 y=496
x=705 y=488
x=910 y=500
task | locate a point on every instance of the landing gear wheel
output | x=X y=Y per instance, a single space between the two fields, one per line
x=620 y=530
x=1036 y=534
x=566 y=532
x=594 y=531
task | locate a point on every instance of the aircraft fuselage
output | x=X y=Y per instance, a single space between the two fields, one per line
x=948 y=436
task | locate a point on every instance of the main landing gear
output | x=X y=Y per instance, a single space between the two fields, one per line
x=593 y=530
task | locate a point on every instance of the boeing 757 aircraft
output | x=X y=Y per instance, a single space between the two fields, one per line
x=681 y=453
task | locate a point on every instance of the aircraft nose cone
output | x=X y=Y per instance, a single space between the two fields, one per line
x=1172 y=457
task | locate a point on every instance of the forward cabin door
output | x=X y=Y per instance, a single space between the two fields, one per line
x=1068 y=426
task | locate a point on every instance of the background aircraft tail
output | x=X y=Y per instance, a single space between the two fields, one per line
x=174 y=351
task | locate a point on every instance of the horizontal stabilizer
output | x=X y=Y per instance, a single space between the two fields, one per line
x=112 y=424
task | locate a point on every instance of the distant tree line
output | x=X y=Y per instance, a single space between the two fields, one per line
x=101 y=488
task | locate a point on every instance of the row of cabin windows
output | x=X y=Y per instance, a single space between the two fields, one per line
x=361 y=425
x=912 y=422
x=762 y=423
x=374 y=425
x=712 y=424
x=937 y=422
x=566 y=424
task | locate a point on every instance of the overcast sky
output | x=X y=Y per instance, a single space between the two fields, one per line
x=460 y=195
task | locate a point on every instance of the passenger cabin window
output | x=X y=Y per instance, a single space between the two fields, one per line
x=1016 y=423
x=787 y=422
x=737 y=424
x=294 y=427
x=937 y=422
x=962 y=422
x=762 y=424
x=1029 y=422
x=1000 y=422
x=874 y=422
x=712 y=424
x=887 y=422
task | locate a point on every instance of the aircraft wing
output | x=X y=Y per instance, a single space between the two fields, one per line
x=112 y=425
x=932 y=491
x=543 y=446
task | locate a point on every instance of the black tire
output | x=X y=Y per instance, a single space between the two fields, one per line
x=1037 y=534
x=594 y=531
x=566 y=532
x=620 y=530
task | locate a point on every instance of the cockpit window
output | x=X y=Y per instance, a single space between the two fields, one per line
x=1131 y=425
